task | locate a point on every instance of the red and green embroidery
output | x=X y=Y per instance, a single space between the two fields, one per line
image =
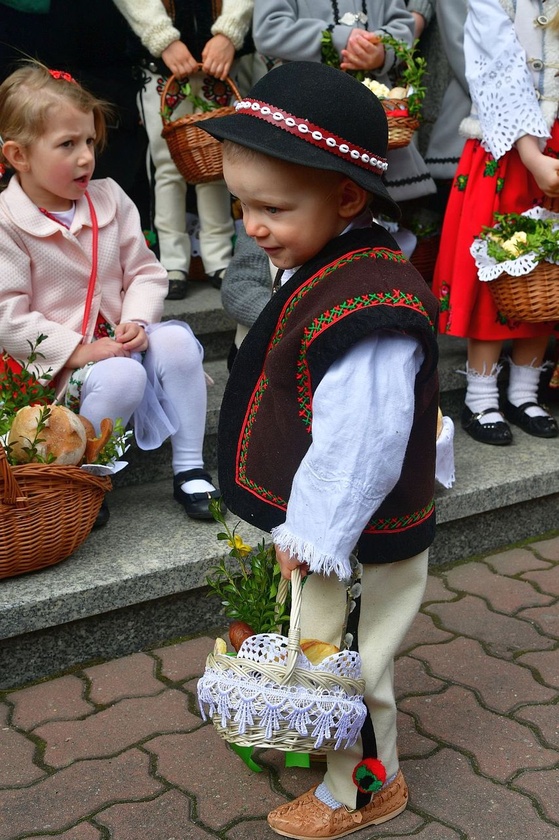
x=400 y=523
x=242 y=476
x=444 y=297
x=324 y=321
x=327 y=319
x=491 y=167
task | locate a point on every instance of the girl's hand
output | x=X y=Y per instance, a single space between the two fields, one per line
x=364 y=51
x=217 y=56
x=544 y=168
x=132 y=337
x=97 y=351
x=287 y=564
x=179 y=60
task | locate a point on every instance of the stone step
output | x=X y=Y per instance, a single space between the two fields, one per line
x=141 y=579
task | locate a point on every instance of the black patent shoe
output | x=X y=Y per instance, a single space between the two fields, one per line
x=542 y=426
x=496 y=434
x=196 y=505
x=103 y=516
x=178 y=285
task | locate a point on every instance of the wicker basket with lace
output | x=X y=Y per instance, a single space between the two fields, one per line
x=270 y=695
x=533 y=297
x=195 y=153
x=523 y=289
x=46 y=513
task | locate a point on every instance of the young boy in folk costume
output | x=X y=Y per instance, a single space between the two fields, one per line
x=328 y=423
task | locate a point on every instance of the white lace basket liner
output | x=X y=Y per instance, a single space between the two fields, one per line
x=270 y=695
x=489 y=270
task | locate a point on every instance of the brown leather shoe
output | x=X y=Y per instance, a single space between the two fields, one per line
x=307 y=818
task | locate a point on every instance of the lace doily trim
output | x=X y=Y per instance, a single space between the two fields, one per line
x=489 y=269
x=254 y=699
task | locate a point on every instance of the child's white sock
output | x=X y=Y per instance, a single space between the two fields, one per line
x=197 y=485
x=323 y=793
x=524 y=381
x=482 y=393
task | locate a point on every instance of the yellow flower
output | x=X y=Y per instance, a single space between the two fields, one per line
x=239 y=546
x=514 y=245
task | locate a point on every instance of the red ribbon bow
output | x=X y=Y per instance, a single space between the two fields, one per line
x=61 y=74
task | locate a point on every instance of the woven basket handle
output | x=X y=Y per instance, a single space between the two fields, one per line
x=294 y=634
x=11 y=493
x=228 y=80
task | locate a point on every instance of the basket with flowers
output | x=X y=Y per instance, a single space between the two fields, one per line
x=403 y=101
x=519 y=257
x=275 y=691
x=54 y=469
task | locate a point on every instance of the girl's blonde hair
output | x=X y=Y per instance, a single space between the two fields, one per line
x=28 y=95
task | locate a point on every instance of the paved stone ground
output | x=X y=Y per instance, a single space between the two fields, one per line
x=118 y=750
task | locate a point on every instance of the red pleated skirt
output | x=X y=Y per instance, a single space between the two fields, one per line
x=481 y=187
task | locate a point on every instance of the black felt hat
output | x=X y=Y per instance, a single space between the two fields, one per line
x=314 y=115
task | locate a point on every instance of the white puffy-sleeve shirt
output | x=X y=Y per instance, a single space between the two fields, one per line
x=363 y=412
x=500 y=81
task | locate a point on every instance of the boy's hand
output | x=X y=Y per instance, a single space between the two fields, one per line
x=287 y=564
x=97 y=351
x=179 y=60
x=132 y=337
x=364 y=51
x=217 y=56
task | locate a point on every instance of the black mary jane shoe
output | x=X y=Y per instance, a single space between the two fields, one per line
x=496 y=434
x=178 y=285
x=196 y=505
x=543 y=426
x=103 y=516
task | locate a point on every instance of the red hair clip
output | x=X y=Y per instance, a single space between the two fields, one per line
x=61 y=74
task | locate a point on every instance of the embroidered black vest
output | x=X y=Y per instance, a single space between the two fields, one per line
x=360 y=283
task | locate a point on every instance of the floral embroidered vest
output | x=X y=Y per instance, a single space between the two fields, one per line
x=359 y=284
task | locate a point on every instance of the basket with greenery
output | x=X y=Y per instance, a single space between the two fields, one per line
x=403 y=101
x=248 y=583
x=272 y=692
x=47 y=506
x=519 y=257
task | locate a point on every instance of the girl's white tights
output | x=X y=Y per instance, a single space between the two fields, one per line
x=115 y=388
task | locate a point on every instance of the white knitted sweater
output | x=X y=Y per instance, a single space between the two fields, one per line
x=151 y=23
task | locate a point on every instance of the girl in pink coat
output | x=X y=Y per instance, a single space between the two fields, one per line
x=76 y=268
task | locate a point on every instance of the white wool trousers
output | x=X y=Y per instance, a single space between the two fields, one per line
x=213 y=199
x=390 y=599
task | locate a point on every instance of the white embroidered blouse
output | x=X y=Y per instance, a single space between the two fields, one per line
x=511 y=67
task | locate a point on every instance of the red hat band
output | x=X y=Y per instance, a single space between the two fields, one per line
x=313 y=134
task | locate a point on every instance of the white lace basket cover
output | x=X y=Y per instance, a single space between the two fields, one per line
x=270 y=695
x=489 y=270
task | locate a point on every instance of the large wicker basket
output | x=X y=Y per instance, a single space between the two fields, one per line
x=532 y=297
x=267 y=697
x=46 y=512
x=195 y=153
